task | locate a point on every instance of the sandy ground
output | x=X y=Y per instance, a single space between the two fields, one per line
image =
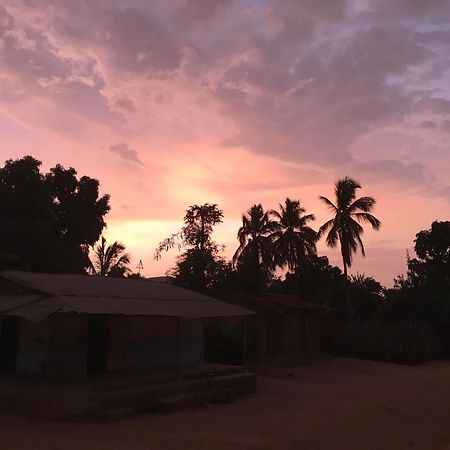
x=336 y=404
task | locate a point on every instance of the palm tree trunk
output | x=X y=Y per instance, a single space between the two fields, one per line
x=299 y=263
x=297 y=281
x=348 y=300
x=258 y=287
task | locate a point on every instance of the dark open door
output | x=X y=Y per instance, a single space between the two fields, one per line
x=9 y=343
x=97 y=348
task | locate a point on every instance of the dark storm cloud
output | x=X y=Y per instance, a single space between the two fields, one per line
x=126 y=153
x=315 y=111
x=397 y=172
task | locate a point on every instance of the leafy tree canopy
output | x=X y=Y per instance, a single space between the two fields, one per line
x=197 y=267
x=431 y=268
x=48 y=220
x=368 y=295
x=316 y=274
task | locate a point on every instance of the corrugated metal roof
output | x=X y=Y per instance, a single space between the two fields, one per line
x=32 y=306
x=271 y=301
x=291 y=302
x=86 y=294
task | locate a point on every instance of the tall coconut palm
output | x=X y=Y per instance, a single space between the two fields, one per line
x=255 y=242
x=349 y=213
x=109 y=260
x=293 y=239
x=345 y=227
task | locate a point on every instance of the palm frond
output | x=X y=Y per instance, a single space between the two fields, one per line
x=363 y=203
x=361 y=245
x=345 y=191
x=366 y=217
x=329 y=203
x=238 y=253
x=326 y=226
x=332 y=237
x=307 y=218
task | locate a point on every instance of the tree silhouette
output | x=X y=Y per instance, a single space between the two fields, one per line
x=293 y=239
x=345 y=226
x=254 y=254
x=109 y=260
x=48 y=221
x=198 y=264
x=431 y=267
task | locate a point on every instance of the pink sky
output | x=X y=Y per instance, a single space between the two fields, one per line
x=235 y=102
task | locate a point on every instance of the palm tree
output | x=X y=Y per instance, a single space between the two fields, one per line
x=293 y=239
x=255 y=242
x=109 y=260
x=345 y=226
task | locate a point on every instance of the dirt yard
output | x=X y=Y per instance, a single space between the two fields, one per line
x=336 y=404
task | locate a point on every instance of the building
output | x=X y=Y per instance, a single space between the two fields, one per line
x=80 y=324
x=286 y=328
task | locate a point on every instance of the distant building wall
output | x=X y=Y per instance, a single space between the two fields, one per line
x=295 y=331
x=292 y=324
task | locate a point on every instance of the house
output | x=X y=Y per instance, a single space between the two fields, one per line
x=85 y=325
x=286 y=328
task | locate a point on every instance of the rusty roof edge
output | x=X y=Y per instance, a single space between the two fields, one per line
x=9 y=275
x=18 y=280
x=145 y=299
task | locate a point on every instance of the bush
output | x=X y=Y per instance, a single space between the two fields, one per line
x=405 y=342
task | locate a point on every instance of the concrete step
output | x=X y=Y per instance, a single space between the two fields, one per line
x=149 y=398
x=148 y=380
x=208 y=395
x=98 y=415
x=164 y=390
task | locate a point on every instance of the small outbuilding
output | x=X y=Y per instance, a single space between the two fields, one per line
x=285 y=328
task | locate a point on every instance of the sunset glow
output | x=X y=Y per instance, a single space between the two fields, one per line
x=233 y=102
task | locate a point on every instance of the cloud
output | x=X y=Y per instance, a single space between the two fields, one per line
x=195 y=12
x=349 y=96
x=445 y=192
x=125 y=104
x=234 y=102
x=396 y=172
x=303 y=83
x=409 y=9
x=126 y=153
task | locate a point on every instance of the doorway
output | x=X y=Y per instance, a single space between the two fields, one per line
x=9 y=344
x=97 y=346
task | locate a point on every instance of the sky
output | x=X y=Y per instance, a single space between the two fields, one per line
x=235 y=102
